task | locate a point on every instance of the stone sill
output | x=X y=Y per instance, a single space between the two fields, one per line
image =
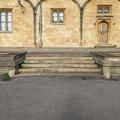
x=104 y=16
x=6 y=32
x=58 y=24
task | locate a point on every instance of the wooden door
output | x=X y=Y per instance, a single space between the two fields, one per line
x=103 y=32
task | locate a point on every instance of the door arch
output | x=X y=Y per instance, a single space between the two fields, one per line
x=103 y=32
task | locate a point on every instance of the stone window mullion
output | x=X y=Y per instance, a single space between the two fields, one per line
x=57 y=16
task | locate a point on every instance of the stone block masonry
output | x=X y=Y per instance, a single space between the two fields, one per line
x=109 y=63
x=10 y=62
x=60 y=35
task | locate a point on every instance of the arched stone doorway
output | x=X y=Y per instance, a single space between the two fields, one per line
x=103 y=32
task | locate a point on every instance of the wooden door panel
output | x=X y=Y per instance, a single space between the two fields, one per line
x=103 y=32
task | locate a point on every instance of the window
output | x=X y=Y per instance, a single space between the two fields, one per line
x=5 y=20
x=104 y=9
x=100 y=11
x=58 y=16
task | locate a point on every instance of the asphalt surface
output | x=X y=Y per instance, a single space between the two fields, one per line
x=59 y=98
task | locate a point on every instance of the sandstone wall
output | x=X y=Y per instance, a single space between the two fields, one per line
x=22 y=32
x=67 y=35
x=90 y=36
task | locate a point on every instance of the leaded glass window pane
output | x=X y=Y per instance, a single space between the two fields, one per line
x=2 y=27
x=100 y=11
x=9 y=27
x=61 y=17
x=54 y=17
x=106 y=10
x=9 y=21
x=3 y=21
x=2 y=16
x=9 y=17
x=2 y=13
x=9 y=13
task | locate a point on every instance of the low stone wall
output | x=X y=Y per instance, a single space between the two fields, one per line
x=109 y=63
x=10 y=61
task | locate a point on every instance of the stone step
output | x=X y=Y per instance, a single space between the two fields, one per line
x=58 y=61
x=105 y=45
x=91 y=70
x=115 y=74
x=4 y=70
x=68 y=63
x=60 y=54
x=60 y=65
x=59 y=58
x=58 y=74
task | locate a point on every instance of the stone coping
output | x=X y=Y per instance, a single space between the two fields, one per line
x=8 y=54
x=10 y=61
x=107 y=59
x=57 y=50
x=107 y=54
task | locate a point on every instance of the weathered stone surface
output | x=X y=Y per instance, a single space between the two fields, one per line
x=59 y=64
x=11 y=61
x=11 y=73
x=115 y=77
x=109 y=62
x=66 y=35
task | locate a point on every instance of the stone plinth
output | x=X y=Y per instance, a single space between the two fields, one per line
x=10 y=62
x=109 y=63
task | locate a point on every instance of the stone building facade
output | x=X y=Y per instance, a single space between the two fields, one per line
x=59 y=23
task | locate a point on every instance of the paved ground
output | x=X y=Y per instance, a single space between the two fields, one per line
x=59 y=98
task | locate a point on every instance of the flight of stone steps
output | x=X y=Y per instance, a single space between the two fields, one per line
x=74 y=64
